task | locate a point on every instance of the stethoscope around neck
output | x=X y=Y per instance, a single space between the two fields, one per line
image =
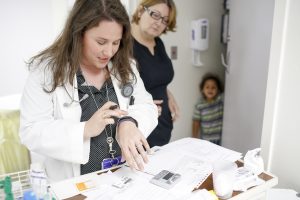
x=126 y=91
x=72 y=97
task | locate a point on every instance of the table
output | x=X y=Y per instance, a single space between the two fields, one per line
x=188 y=147
x=254 y=193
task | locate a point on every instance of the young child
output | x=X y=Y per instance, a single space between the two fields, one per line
x=208 y=113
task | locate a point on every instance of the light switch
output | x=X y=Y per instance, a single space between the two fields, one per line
x=173 y=52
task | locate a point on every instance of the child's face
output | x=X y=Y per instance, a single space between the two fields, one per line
x=210 y=90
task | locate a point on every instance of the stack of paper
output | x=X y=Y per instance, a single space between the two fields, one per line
x=190 y=157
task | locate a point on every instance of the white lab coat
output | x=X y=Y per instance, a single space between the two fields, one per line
x=55 y=132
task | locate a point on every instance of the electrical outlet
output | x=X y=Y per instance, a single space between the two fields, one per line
x=173 y=52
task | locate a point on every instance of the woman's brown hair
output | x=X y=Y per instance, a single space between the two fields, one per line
x=63 y=56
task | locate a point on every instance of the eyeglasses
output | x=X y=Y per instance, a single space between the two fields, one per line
x=157 y=16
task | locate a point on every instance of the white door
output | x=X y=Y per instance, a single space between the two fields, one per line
x=250 y=27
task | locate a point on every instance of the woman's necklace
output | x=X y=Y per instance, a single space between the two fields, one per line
x=109 y=139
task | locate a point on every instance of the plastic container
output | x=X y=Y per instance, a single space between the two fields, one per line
x=20 y=183
x=223 y=178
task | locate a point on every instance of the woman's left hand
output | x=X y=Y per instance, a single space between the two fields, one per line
x=133 y=145
x=173 y=106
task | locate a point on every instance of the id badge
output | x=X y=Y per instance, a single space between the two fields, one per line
x=111 y=162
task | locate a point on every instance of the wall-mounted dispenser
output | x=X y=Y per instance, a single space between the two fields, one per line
x=199 y=39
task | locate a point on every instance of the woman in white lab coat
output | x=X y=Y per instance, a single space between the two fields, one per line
x=66 y=108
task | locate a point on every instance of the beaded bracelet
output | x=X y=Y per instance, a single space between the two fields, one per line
x=127 y=118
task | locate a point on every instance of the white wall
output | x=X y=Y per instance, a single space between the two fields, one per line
x=27 y=27
x=130 y=5
x=280 y=138
x=187 y=77
x=250 y=32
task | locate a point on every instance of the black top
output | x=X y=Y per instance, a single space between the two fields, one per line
x=157 y=72
x=99 y=148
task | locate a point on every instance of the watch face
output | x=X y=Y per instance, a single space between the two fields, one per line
x=127 y=90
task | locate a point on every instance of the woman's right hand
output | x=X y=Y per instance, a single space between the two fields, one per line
x=101 y=118
x=158 y=104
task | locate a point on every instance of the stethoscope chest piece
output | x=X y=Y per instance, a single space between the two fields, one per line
x=127 y=90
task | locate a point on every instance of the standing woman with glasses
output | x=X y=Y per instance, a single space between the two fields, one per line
x=151 y=19
x=76 y=108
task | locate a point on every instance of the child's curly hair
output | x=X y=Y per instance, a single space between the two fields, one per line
x=210 y=76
